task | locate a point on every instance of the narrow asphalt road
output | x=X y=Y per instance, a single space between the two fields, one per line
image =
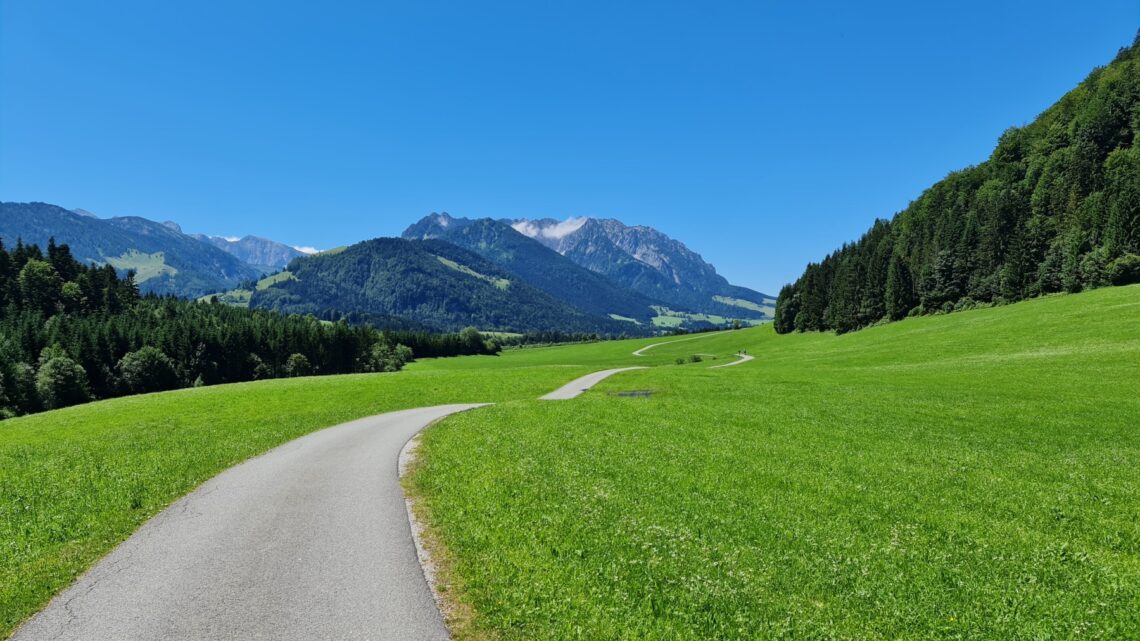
x=641 y=352
x=579 y=385
x=308 y=541
x=740 y=358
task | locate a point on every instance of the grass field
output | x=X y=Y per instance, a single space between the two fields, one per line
x=501 y=283
x=146 y=266
x=965 y=476
x=746 y=304
x=279 y=277
x=970 y=476
x=668 y=318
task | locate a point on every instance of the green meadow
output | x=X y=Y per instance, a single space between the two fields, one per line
x=969 y=476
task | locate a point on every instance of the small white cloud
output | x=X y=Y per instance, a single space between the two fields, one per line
x=564 y=228
x=232 y=239
x=526 y=228
x=307 y=250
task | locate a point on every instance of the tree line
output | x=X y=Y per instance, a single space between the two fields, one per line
x=1055 y=208
x=71 y=333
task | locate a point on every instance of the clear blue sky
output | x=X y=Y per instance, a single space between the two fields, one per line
x=762 y=134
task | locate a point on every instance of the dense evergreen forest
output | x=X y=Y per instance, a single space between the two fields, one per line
x=71 y=333
x=1055 y=208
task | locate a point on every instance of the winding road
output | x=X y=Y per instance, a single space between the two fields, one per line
x=310 y=540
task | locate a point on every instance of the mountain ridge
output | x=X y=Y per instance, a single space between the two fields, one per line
x=254 y=250
x=536 y=263
x=642 y=258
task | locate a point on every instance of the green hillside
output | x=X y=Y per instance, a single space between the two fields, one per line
x=431 y=282
x=970 y=476
x=1056 y=207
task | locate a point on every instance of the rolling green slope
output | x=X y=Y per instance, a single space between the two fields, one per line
x=968 y=476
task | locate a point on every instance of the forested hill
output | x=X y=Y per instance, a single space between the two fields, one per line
x=165 y=260
x=433 y=282
x=1055 y=208
x=71 y=333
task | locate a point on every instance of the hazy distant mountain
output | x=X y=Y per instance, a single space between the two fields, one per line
x=431 y=282
x=646 y=261
x=165 y=260
x=537 y=264
x=269 y=255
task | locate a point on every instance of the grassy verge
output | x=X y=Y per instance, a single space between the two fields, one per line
x=971 y=476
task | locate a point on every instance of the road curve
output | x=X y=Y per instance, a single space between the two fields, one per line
x=308 y=541
x=740 y=358
x=579 y=385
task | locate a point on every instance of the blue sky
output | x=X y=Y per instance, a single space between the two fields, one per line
x=762 y=134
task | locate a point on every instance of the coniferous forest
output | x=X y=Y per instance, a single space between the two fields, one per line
x=71 y=333
x=1055 y=208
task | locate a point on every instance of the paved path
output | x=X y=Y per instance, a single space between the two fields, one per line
x=741 y=358
x=579 y=385
x=641 y=352
x=309 y=541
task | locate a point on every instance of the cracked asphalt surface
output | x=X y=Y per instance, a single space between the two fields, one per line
x=308 y=541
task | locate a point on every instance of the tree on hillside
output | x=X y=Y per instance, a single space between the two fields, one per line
x=297 y=365
x=147 y=370
x=40 y=286
x=61 y=382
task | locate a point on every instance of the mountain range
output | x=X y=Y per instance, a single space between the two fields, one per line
x=165 y=260
x=641 y=258
x=261 y=253
x=579 y=275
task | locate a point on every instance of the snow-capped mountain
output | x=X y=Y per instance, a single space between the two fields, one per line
x=641 y=258
x=254 y=250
